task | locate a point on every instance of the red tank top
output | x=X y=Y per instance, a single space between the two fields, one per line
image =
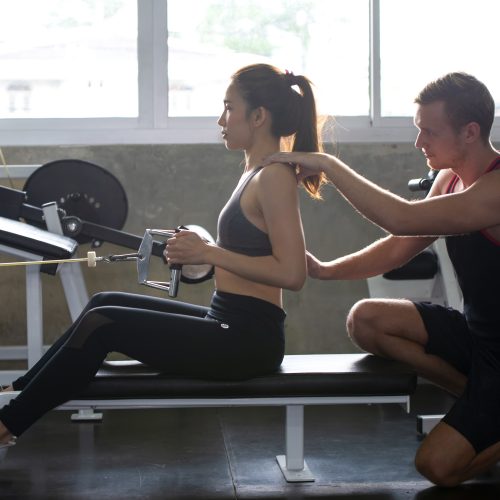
x=476 y=259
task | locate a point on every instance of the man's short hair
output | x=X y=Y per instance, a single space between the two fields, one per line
x=465 y=98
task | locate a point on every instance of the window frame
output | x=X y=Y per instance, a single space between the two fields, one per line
x=153 y=125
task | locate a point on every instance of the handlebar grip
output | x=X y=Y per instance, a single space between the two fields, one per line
x=175 y=277
x=420 y=184
x=175 y=273
x=175 y=267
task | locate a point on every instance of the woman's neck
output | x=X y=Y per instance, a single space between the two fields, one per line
x=256 y=155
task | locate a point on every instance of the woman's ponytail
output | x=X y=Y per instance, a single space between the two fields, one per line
x=306 y=137
x=294 y=116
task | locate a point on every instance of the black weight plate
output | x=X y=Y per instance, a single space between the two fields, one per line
x=82 y=189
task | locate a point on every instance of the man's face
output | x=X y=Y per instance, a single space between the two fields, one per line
x=440 y=143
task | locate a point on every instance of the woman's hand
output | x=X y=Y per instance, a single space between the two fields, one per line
x=314 y=266
x=186 y=247
x=307 y=163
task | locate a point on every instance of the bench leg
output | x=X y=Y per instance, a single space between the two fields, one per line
x=86 y=415
x=425 y=423
x=292 y=464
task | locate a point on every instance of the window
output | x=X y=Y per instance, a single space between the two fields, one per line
x=73 y=59
x=209 y=40
x=155 y=71
x=420 y=41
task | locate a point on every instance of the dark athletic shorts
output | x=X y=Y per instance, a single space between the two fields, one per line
x=476 y=413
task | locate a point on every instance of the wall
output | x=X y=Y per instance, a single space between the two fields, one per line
x=168 y=185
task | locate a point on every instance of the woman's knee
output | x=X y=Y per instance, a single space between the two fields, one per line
x=90 y=327
x=104 y=299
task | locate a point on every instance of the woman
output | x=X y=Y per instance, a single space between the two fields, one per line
x=260 y=250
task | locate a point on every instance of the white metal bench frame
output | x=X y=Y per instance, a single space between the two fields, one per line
x=292 y=463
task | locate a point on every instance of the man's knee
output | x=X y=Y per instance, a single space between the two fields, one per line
x=362 y=322
x=436 y=468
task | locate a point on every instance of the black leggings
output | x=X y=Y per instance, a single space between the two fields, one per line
x=238 y=337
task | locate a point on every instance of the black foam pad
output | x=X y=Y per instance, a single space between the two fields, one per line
x=299 y=375
x=423 y=266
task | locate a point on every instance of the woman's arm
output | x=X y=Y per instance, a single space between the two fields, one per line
x=475 y=208
x=277 y=197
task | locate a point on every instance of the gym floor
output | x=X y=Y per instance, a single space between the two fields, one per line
x=355 y=452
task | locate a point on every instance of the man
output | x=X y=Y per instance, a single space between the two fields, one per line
x=460 y=352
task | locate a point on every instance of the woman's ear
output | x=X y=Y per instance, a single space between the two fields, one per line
x=260 y=116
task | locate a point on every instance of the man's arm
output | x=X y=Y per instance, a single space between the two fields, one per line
x=475 y=208
x=379 y=257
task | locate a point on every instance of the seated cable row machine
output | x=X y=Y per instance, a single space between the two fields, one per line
x=63 y=204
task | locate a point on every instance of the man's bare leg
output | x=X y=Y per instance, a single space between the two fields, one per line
x=394 y=329
x=447 y=459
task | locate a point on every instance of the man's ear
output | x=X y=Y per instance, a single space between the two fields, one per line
x=472 y=132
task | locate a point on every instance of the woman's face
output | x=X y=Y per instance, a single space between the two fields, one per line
x=236 y=126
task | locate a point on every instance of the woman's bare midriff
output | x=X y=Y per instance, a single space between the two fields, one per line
x=231 y=283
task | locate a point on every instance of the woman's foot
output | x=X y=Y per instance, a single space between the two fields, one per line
x=4 y=447
x=6 y=438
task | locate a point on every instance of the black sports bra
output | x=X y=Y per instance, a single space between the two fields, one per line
x=236 y=233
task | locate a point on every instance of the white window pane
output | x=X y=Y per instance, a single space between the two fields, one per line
x=68 y=59
x=326 y=40
x=425 y=39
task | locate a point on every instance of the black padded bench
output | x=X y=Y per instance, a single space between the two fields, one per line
x=319 y=379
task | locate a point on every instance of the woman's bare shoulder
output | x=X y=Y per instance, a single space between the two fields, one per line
x=277 y=171
x=277 y=180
